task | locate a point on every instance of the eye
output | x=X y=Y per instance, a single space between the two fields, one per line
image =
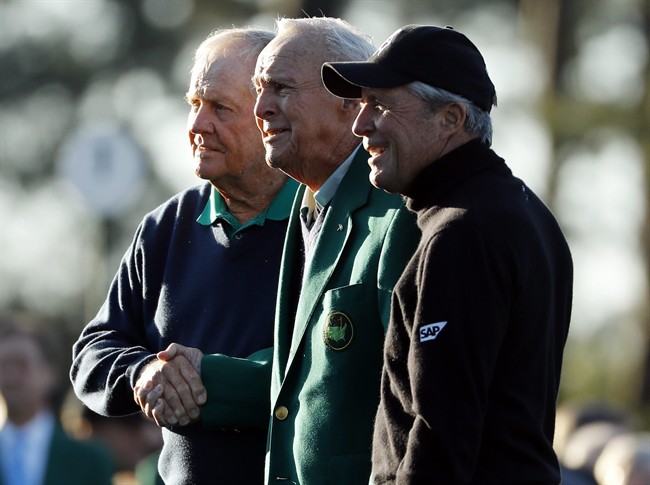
x=378 y=107
x=374 y=105
x=279 y=86
x=272 y=86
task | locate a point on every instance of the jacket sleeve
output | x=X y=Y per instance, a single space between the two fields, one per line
x=111 y=350
x=399 y=245
x=238 y=390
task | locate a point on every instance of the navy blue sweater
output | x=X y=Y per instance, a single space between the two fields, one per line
x=185 y=282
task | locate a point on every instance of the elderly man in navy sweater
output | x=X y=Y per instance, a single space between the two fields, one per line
x=480 y=315
x=202 y=271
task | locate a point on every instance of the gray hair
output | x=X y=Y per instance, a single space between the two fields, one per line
x=254 y=40
x=343 y=41
x=478 y=122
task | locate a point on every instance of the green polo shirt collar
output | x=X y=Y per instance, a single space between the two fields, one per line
x=278 y=210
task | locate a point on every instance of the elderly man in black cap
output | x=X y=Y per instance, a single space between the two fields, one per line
x=480 y=315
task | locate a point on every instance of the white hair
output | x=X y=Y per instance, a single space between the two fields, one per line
x=343 y=41
x=254 y=40
x=477 y=123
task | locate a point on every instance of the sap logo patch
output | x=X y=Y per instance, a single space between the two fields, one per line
x=431 y=331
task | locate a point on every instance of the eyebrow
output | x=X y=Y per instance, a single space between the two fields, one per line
x=284 y=78
x=265 y=77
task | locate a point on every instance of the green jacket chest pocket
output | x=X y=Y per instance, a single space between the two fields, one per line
x=349 y=321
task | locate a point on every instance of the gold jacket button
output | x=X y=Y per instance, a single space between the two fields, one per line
x=281 y=413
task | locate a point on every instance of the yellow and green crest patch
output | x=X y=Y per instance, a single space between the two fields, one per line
x=338 y=331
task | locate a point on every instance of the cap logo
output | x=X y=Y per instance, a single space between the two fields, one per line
x=386 y=43
x=338 y=331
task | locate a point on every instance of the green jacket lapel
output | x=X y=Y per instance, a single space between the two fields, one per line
x=351 y=195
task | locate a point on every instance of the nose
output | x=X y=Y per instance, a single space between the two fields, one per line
x=364 y=123
x=264 y=106
x=200 y=121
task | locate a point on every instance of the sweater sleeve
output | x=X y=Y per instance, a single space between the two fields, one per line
x=238 y=390
x=111 y=350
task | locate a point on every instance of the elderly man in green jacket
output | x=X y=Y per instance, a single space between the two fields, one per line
x=346 y=246
x=335 y=286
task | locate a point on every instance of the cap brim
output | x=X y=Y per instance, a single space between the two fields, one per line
x=346 y=79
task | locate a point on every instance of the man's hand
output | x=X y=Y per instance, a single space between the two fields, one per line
x=169 y=390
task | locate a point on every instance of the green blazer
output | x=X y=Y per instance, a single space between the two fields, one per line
x=329 y=342
x=72 y=462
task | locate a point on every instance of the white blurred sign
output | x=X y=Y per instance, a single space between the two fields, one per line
x=105 y=164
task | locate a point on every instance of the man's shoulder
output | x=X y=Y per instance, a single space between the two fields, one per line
x=185 y=203
x=198 y=194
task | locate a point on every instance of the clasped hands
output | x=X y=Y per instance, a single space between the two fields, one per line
x=169 y=389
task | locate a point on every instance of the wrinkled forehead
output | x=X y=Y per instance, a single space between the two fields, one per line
x=221 y=69
x=298 y=54
x=198 y=77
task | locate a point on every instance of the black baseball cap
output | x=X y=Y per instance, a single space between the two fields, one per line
x=439 y=56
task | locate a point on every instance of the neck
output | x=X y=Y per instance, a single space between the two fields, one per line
x=320 y=172
x=245 y=203
x=458 y=139
x=316 y=180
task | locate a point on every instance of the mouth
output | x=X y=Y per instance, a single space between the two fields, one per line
x=375 y=151
x=270 y=134
x=203 y=152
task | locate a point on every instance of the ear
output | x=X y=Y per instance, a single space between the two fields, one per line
x=454 y=115
x=350 y=104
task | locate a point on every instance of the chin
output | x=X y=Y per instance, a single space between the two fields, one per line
x=383 y=185
x=202 y=173
x=376 y=180
x=198 y=172
x=273 y=160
